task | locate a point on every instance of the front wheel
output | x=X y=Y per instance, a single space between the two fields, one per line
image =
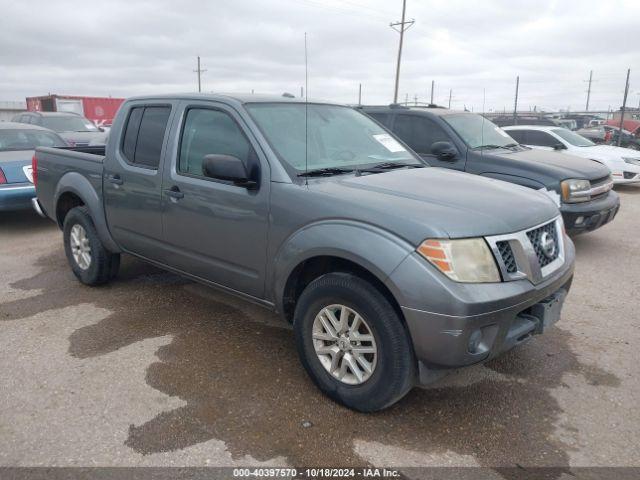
x=352 y=342
x=89 y=260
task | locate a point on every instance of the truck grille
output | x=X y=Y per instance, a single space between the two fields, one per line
x=534 y=254
x=545 y=257
x=597 y=183
x=507 y=256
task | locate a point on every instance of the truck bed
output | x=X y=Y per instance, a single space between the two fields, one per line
x=55 y=165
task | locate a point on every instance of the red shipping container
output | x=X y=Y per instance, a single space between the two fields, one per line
x=100 y=110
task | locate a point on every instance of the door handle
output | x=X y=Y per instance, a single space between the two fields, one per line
x=174 y=192
x=115 y=179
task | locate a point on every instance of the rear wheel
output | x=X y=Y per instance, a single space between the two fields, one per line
x=352 y=342
x=90 y=261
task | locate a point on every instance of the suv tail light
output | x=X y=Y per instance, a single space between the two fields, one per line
x=3 y=179
x=34 y=169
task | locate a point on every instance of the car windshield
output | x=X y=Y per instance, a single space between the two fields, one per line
x=573 y=138
x=478 y=132
x=69 y=124
x=337 y=137
x=28 y=140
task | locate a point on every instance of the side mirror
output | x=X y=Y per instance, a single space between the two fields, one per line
x=229 y=168
x=444 y=151
x=559 y=146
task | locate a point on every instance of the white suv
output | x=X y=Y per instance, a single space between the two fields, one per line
x=624 y=163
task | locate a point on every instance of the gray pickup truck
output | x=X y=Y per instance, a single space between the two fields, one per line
x=390 y=271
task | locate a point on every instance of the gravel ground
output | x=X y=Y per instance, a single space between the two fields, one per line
x=154 y=370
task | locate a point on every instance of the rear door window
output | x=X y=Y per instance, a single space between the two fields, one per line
x=144 y=135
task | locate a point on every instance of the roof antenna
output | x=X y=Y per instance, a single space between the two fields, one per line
x=306 y=113
x=484 y=99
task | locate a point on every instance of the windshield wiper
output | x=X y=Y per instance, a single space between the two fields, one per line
x=320 y=172
x=493 y=147
x=381 y=167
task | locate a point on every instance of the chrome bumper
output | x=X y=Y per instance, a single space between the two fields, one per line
x=36 y=206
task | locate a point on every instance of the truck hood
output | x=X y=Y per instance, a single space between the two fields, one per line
x=432 y=202
x=553 y=164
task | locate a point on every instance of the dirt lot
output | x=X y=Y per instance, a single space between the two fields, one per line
x=156 y=370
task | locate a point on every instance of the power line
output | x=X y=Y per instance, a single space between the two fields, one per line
x=400 y=27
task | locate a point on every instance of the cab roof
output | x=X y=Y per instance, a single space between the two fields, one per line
x=431 y=110
x=242 y=98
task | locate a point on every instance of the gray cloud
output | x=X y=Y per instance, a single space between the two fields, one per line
x=124 y=48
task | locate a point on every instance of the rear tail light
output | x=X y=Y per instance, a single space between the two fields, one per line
x=34 y=169
x=3 y=179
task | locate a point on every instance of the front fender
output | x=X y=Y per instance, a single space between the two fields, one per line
x=77 y=184
x=372 y=248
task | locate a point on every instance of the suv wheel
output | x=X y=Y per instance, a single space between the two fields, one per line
x=352 y=342
x=90 y=262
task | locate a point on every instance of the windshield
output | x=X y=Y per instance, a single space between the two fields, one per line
x=573 y=138
x=69 y=124
x=338 y=137
x=477 y=131
x=28 y=140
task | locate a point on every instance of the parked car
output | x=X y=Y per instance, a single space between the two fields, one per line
x=17 y=145
x=597 y=134
x=624 y=163
x=468 y=142
x=390 y=271
x=629 y=140
x=75 y=129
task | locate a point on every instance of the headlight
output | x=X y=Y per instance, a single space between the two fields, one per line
x=574 y=191
x=632 y=161
x=467 y=260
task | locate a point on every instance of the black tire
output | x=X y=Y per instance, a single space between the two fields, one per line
x=395 y=371
x=104 y=264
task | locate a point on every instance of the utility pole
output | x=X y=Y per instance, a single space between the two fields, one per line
x=515 y=105
x=433 y=82
x=589 y=91
x=450 y=94
x=199 y=71
x=359 y=94
x=415 y=100
x=406 y=99
x=400 y=27
x=301 y=92
x=624 y=106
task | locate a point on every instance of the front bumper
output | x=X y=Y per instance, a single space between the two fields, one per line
x=626 y=177
x=589 y=216
x=16 y=196
x=502 y=314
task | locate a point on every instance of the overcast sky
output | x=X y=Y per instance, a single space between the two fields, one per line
x=124 y=48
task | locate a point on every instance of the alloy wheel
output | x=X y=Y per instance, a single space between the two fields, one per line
x=344 y=344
